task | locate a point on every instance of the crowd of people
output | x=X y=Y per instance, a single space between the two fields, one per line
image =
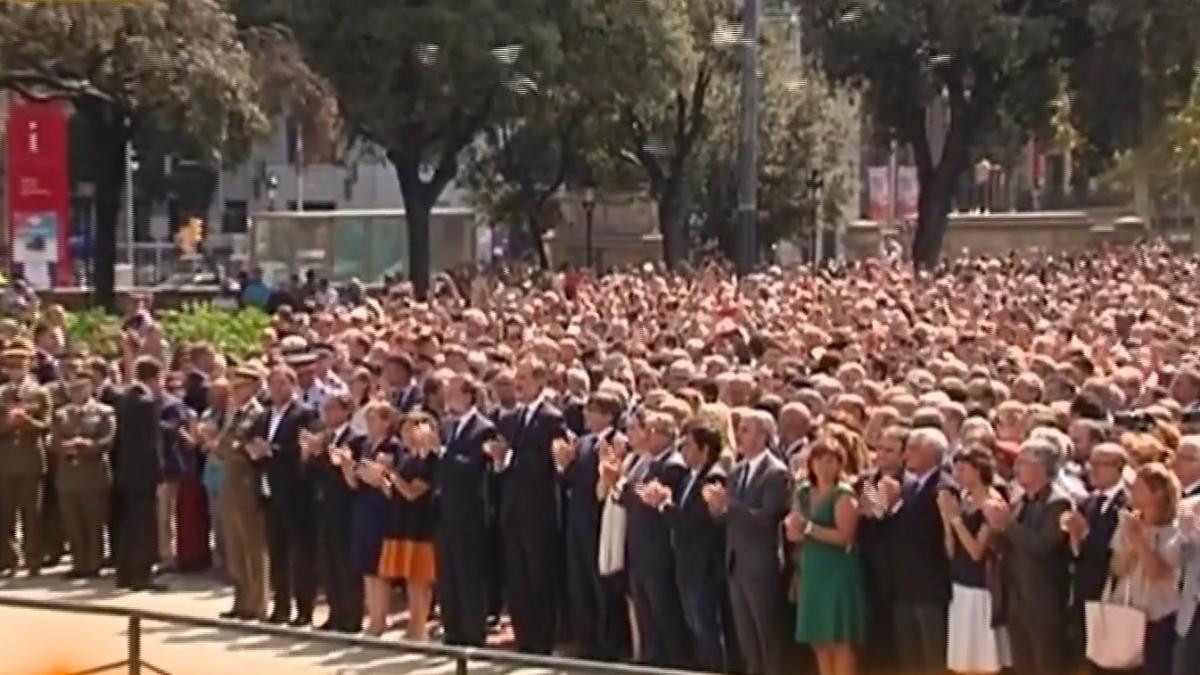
x=886 y=470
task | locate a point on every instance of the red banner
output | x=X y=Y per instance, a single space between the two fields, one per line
x=38 y=192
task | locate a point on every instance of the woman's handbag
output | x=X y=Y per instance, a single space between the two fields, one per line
x=1116 y=632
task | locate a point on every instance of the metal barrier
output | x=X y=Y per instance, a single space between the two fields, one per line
x=462 y=656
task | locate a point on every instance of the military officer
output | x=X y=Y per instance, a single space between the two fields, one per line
x=241 y=502
x=53 y=529
x=83 y=435
x=25 y=415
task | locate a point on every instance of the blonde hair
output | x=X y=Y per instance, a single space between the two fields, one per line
x=1164 y=485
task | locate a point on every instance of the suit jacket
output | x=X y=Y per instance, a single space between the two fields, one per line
x=334 y=496
x=877 y=539
x=1190 y=572
x=177 y=457
x=1095 y=553
x=287 y=477
x=530 y=496
x=579 y=480
x=1037 y=557
x=921 y=567
x=755 y=512
x=648 y=533
x=410 y=398
x=697 y=536
x=138 y=465
x=461 y=478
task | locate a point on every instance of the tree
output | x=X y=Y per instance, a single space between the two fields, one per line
x=983 y=60
x=178 y=60
x=663 y=118
x=803 y=128
x=422 y=81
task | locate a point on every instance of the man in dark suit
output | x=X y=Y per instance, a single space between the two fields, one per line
x=579 y=465
x=136 y=475
x=651 y=562
x=1036 y=561
x=1090 y=531
x=335 y=504
x=753 y=508
x=461 y=539
x=406 y=394
x=878 y=537
x=698 y=540
x=291 y=499
x=529 y=509
x=919 y=562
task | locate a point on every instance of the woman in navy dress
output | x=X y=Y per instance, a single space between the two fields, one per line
x=367 y=472
x=408 y=552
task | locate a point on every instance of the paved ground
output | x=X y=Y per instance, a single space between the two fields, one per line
x=35 y=642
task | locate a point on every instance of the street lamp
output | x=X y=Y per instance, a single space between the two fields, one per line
x=589 y=210
x=272 y=190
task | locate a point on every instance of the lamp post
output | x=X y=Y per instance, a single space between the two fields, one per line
x=814 y=184
x=747 y=155
x=272 y=190
x=589 y=210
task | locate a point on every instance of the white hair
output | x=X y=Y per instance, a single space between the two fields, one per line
x=932 y=438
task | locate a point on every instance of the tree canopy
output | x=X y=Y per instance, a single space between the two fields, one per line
x=179 y=60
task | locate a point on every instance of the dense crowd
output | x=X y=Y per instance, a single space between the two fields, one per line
x=894 y=472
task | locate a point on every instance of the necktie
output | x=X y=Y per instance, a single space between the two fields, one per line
x=745 y=480
x=687 y=491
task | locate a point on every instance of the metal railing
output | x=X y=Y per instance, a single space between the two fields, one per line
x=462 y=656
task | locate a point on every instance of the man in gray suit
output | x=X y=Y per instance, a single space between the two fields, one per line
x=753 y=507
x=1187 y=620
x=1036 y=559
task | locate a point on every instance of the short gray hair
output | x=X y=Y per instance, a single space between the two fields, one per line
x=1044 y=452
x=931 y=437
x=765 y=422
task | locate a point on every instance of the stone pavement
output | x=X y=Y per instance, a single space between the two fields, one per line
x=36 y=642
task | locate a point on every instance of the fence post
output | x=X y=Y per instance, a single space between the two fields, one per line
x=135 y=644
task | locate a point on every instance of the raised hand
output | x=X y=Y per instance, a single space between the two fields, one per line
x=564 y=453
x=717 y=498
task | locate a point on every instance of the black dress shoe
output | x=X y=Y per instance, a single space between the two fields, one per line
x=231 y=614
x=76 y=574
x=301 y=621
x=277 y=618
x=247 y=616
x=150 y=587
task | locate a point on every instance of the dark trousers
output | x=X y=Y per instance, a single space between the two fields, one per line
x=1038 y=641
x=921 y=637
x=529 y=568
x=616 y=635
x=137 y=549
x=1187 y=651
x=587 y=596
x=113 y=524
x=665 y=640
x=702 y=613
x=343 y=585
x=462 y=554
x=291 y=545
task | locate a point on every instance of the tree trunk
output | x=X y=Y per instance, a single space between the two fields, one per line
x=110 y=132
x=539 y=246
x=670 y=224
x=417 y=213
x=937 y=182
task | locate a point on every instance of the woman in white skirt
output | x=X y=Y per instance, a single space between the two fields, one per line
x=975 y=644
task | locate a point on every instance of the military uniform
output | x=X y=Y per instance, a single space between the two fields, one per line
x=84 y=478
x=22 y=466
x=241 y=512
x=54 y=535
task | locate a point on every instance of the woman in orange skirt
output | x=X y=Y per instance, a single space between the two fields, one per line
x=369 y=472
x=408 y=553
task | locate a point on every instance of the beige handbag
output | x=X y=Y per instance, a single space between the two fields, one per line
x=1116 y=632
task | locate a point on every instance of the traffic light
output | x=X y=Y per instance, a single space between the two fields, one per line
x=189 y=236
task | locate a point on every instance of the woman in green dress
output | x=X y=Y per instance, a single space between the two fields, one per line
x=830 y=609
